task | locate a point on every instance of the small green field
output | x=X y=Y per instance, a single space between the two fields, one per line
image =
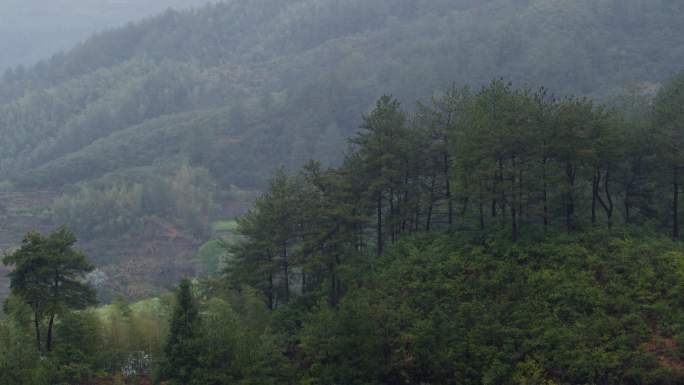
x=222 y=226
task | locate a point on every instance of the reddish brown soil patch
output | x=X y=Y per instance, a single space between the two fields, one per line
x=665 y=349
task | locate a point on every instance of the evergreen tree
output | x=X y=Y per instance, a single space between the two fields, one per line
x=380 y=147
x=669 y=126
x=181 y=346
x=48 y=275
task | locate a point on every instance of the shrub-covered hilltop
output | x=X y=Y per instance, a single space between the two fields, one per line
x=497 y=236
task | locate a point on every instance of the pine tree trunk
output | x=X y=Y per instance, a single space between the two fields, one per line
x=286 y=273
x=431 y=204
x=594 y=193
x=49 y=333
x=545 y=196
x=675 y=204
x=379 y=226
x=448 y=190
x=271 y=302
x=36 y=323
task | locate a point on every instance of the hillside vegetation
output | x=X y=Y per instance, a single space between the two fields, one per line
x=291 y=78
x=496 y=233
x=496 y=236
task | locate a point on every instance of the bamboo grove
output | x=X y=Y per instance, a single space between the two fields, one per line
x=504 y=159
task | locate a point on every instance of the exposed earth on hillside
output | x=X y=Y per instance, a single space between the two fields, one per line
x=137 y=265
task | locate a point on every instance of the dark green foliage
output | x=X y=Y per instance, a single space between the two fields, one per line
x=180 y=353
x=19 y=359
x=48 y=276
x=530 y=271
x=583 y=309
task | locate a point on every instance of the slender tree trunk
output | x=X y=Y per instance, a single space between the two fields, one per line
x=333 y=285
x=545 y=195
x=431 y=204
x=570 y=199
x=514 y=223
x=36 y=323
x=391 y=219
x=379 y=226
x=628 y=217
x=608 y=204
x=609 y=198
x=675 y=203
x=271 y=300
x=49 y=333
x=303 y=281
x=594 y=194
x=482 y=223
x=514 y=205
x=447 y=179
x=286 y=273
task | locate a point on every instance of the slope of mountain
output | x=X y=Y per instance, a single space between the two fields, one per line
x=297 y=74
x=239 y=87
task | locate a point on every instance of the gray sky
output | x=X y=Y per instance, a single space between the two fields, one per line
x=31 y=30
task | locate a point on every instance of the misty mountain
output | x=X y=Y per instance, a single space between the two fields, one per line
x=288 y=80
x=32 y=30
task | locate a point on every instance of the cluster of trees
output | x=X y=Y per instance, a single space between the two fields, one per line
x=480 y=240
x=52 y=334
x=596 y=307
x=110 y=208
x=499 y=160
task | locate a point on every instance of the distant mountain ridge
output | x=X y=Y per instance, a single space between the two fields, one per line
x=296 y=75
x=33 y=30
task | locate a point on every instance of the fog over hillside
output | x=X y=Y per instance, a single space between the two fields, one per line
x=33 y=30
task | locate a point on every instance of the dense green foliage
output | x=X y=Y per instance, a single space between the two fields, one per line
x=497 y=236
x=489 y=238
x=492 y=235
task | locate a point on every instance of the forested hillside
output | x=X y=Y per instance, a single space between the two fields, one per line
x=144 y=136
x=293 y=76
x=496 y=235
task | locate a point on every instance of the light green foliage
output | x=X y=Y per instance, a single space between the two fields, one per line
x=193 y=200
x=213 y=255
x=230 y=225
x=118 y=205
x=92 y=212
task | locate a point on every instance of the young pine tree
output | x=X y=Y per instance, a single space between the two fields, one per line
x=181 y=347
